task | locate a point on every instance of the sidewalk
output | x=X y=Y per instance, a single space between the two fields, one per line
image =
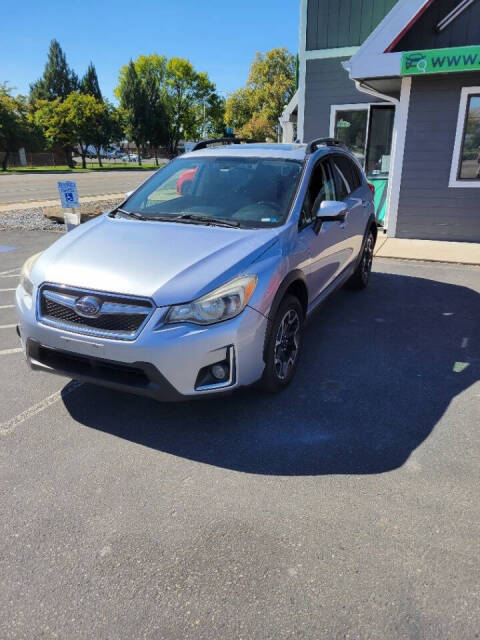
x=429 y=250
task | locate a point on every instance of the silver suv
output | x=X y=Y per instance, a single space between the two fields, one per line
x=201 y=281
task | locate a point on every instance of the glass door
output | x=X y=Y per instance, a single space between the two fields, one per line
x=379 y=146
x=366 y=130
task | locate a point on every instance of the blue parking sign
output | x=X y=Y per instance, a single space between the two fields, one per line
x=68 y=194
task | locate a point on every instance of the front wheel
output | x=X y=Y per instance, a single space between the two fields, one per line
x=283 y=346
x=361 y=275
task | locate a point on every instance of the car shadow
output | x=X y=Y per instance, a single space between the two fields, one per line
x=378 y=370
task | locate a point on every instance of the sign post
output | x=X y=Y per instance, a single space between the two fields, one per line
x=69 y=199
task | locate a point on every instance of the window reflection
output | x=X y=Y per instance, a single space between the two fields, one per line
x=470 y=159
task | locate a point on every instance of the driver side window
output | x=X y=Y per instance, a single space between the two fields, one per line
x=321 y=187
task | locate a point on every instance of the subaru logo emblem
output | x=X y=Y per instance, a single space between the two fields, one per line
x=88 y=306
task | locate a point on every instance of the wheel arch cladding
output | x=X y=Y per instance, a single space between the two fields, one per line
x=293 y=284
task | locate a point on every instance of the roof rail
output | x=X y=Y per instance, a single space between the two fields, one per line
x=328 y=142
x=203 y=144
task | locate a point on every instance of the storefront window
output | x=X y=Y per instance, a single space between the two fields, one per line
x=351 y=128
x=380 y=140
x=470 y=155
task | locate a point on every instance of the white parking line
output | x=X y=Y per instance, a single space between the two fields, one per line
x=12 y=275
x=7 y=326
x=12 y=289
x=7 y=306
x=10 y=425
x=7 y=352
x=9 y=271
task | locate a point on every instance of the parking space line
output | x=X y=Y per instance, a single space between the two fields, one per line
x=11 y=275
x=7 y=306
x=7 y=326
x=9 y=271
x=6 y=352
x=10 y=425
x=3 y=290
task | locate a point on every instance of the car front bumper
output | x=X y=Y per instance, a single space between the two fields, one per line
x=163 y=362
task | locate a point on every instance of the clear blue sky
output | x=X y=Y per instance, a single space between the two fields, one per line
x=217 y=36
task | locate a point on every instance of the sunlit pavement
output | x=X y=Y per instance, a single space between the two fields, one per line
x=26 y=187
x=345 y=507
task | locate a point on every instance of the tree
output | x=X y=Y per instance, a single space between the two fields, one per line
x=270 y=86
x=89 y=83
x=108 y=128
x=214 y=117
x=150 y=119
x=134 y=108
x=185 y=92
x=151 y=73
x=82 y=115
x=177 y=101
x=58 y=79
x=51 y=117
x=15 y=128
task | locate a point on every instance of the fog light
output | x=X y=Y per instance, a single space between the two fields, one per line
x=217 y=374
x=219 y=371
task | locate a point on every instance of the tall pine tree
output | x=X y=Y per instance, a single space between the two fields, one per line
x=58 y=78
x=89 y=83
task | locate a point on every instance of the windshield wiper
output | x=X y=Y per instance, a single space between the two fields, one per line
x=221 y=222
x=131 y=214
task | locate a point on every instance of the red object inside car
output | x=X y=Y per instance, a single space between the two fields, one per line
x=372 y=188
x=187 y=176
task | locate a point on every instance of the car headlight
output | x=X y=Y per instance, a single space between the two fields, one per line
x=25 y=281
x=221 y=304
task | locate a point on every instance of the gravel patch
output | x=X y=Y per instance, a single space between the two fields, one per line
x=29 y=220
x=34 y=219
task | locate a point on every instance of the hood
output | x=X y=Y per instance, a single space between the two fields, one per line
x=168 y=262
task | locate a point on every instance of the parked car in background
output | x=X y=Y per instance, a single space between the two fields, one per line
x=179 y=296
x=114 y=154
x=129 y=157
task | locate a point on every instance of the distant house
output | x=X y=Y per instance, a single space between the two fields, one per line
x=399 y=83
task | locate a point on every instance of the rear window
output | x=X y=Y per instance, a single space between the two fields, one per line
x=349 y=171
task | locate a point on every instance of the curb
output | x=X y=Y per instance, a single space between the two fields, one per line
x=10 y=207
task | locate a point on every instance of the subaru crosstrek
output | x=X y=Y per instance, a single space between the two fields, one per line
x=201 y=280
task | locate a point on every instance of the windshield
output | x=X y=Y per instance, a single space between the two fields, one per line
x=248 y=192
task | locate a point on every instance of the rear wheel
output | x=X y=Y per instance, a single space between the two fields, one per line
x=283 y=345
x=361 y=275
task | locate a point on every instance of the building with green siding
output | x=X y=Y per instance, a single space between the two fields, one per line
x=398 y=81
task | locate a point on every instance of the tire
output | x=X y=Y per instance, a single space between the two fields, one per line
x=361 y=275
x=283 y=345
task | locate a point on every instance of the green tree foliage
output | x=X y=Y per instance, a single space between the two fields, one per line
x=82 y=114
x=270 y=86
x=185 y=93
x=89 y=83
x=16 y=129
x=58 y=79
x=134 y=107
x=176 y=100
x=52 y=118
x=80 y=120
x=108 y=128
x=213 y=125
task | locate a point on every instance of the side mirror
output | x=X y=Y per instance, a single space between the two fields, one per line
x=329 y=211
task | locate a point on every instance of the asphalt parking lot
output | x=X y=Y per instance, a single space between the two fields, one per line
x=347 y=507
x=26 y=187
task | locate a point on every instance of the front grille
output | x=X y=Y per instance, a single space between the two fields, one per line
x=118 y=316
x=94 y=368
